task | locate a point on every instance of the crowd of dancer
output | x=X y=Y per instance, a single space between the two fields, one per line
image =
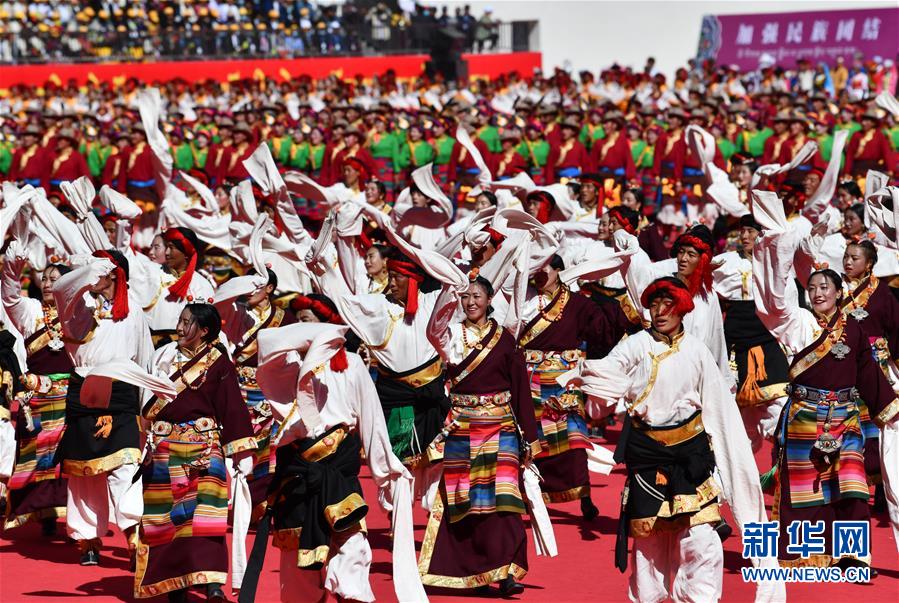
x=218 y=302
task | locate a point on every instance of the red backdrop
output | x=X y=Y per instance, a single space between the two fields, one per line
x=488 y=65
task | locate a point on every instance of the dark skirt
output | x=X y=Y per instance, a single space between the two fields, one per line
x=474 y=551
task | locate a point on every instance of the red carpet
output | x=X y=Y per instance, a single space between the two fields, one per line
x=32 y=569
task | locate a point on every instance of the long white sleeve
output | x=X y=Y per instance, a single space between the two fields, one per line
x=23 y=312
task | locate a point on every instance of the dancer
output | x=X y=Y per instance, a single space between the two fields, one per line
x=185 y=520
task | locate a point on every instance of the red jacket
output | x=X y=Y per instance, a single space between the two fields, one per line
x=674 y=151
x=359 y=153
x=869 y=146
x=218 y=161
x=28 y=164
x=114 y=171
x=566 y=155
x=613 y=152
x=773 y=148
x=234 y=169
x=66 y=168
x=509 y=164
x=139 y=166
x=461 y=159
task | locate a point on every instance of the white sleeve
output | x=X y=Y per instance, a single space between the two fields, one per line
x=772 y=263
x=22 y=311
x=637 y=269
x=607 y=378
x=438 y=326
x=75 y=317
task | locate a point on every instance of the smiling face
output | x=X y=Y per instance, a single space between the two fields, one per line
x=190 y=334
x=475 y=302
x=823 y=294
x=482 y=203
x=810 y=184
x=603 y=232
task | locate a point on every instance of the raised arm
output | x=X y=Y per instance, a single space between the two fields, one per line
x=74 y=315
x=439 y=325
x=22 y=311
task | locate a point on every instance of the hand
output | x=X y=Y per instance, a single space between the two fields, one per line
x=623 y=241
x=16 y=254
x=101 y=267
x=243 y=462
x=820 y=229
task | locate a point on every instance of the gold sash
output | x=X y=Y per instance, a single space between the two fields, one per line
x=247 y=348
x=547 y=317
x=183 y=378
x=482 y=354
x=821 y=350
x=41 y=338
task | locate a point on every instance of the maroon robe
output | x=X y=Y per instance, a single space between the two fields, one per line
x=478 y=544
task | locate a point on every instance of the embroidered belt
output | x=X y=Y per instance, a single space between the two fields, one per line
x=420 y=377
x=474 y=400
x=537 y=356
x=247 y=375
x=671 y=436
x=810 y=394
x=201 y=425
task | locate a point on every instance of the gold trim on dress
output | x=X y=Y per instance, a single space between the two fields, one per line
x=232 y=448
x=343 y=509
x=649 y=526
x=769 y=394
x=814 y=560
x=20 y=520
x=677 y=435
x=706 y=492
x=170 y=584
x=547 y=317
x=887 y=414
x=182 y=378
x=427 y=552
x=110 y=462
x=569 y=495
x=287 y=539
x=316 y=556
x=481 y=356
x=418 y=378
x=820 y=351
x=326 y=446
x=654 y=371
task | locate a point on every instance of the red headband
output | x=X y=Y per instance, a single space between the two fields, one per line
x=357 y=165
x=411 y=271
x=120 y=297
x=546 y=204
x=495 y=237
x=180 y=287
x=702 y=276
x=683 y=300
x=319 y=308
x=625 y=223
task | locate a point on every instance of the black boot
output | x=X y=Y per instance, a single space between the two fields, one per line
x=880 y=499
x=215 y=593
x=508 y=587
x=178 y=596
x=588 y=509
x=724 y=530
x=48 y=527
x=90 y=551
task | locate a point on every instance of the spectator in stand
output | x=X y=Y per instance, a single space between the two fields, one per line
x=486 y=31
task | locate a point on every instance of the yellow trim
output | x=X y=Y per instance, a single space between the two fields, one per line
x=318 y=555
x=326 y=446
x=232 y=448
x=387 y=335
x=190 y=375
x=672 y=437
x=887 y=414
x=20 y=520
x=769 y=394
x=420 y=377
x=548 y=317
x=5 y=414
x=813 y=560
x=654 y=371
x=170 y=584
x=482 y=355
x=287 y=539
x=343 y=509
x=630 y=310
x=427 y=552
x=576 y=493
x=125 y=456
x=649 y=526
x=820 y=351
x=706 y=492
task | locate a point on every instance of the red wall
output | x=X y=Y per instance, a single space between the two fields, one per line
x=488 y=65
